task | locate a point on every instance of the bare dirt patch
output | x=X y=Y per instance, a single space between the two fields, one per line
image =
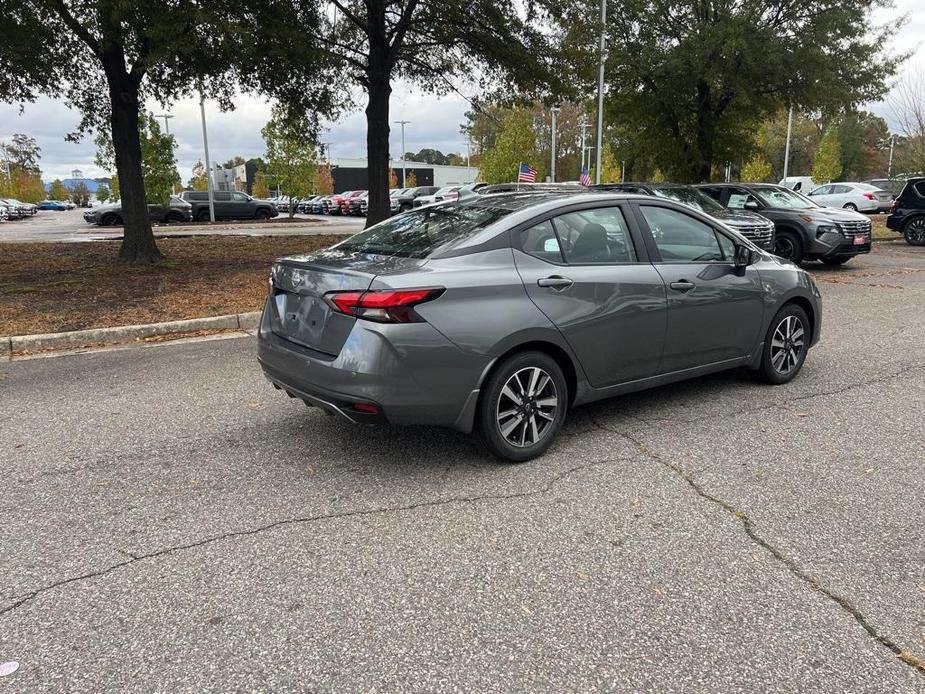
x=58 y=287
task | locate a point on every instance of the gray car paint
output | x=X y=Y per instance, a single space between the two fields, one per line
x=430 y=372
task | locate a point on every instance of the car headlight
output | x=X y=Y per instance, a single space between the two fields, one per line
x=826 y=229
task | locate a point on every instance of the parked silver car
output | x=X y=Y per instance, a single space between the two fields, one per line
x=110 y=214
x=859 y=197
x=498 y=313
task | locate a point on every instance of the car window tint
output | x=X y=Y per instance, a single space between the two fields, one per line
x=596 y=236
x=541 y=242
x=681 y=238
x=738 y=198
x=920 y=188
x=822 y=190
x=239 y=197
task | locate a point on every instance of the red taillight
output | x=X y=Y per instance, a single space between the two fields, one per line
x=384 y=306
x=365 y=407
x=870 y=196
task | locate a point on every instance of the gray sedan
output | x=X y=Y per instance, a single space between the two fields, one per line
x=498 y=313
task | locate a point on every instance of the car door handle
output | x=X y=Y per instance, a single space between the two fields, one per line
x=556 y=282
x=682 y=286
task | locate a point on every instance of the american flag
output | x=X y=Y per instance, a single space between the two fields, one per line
x=527 y=174
x=585 y=178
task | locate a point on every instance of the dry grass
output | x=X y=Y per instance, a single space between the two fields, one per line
x=879 y=230
x=51 y=287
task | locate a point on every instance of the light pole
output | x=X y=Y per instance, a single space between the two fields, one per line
x=404 y=177
x=600 y=93
x=166 y=117
x=205 y=145
x=552 y=168
x=787 y=146
x=889 y=166
x=468 y=155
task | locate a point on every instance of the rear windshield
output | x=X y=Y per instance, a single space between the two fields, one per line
x=422 y=232
x=690 y=197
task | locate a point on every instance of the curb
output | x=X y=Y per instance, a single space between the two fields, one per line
x=126 y=333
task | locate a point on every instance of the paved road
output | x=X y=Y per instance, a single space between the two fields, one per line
x=70 y=227
x=168 y=522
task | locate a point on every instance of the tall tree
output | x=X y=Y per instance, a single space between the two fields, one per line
x=290 y=157
x=756 y=170
x=200 y=179
x=907 y=103
x=695 y=78
x=136 y=50
x=102 y=193
x=515 y=143
x=261 y=189
x=58 y=191
x=21 y=152
x=827 y=164
x=430 y=42
x=158 y=161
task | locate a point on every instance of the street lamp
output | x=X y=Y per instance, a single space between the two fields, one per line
x=404 y=177
x=600 y=93
x=552 y=168
x=166 y=117
x=205 y=144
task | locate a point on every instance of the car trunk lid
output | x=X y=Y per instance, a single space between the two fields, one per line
x=300 y=311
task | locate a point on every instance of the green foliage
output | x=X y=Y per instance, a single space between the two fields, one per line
x=290 y=157
x=58 y=191
x=199 y=181
x=611 y=170
x=21 y=153
x=324 y=180
x=158 y=163
x=102 y=193
x=692 y=82
x=412 y=180
x=756 y=170
x=515 y=143
x=827 y=164
x=233 y=162
x=260 y=188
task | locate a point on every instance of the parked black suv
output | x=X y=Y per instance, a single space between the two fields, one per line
x=405 y=201
x=907 y=215
x=803 y=229
x=228 y=205
x=754 y=227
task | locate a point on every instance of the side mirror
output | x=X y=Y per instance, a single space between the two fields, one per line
x=742 y=259
x=752 y=205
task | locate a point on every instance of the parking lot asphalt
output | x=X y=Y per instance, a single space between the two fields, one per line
x=69 y=227
x=169 y=522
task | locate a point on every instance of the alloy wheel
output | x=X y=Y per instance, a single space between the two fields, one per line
x=915 y=232
x=787 y=344
x=784 y=247
x=527 y=406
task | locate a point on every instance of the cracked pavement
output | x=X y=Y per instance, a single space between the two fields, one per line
x=168 y=522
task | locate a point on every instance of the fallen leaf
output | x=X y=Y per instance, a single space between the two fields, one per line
x=527 y=611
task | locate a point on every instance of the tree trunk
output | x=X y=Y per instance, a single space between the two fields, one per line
x=701 y=169
x=138 y=244
x=377 y=137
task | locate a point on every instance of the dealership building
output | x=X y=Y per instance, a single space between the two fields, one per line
x=350 y=174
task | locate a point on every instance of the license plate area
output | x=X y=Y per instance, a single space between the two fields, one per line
x=301 y=317
x=860 y=239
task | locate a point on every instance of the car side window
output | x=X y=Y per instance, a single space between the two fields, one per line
x=597 y=236
x=681 y=238
x=727 y=245
x=541 y=242
x=738 y=197
x=822 y=190
x=239 y=197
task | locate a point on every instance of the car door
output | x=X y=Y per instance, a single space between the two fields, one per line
x=592 y=279
x=224 y=208
x=714 y=311
x=822 y=195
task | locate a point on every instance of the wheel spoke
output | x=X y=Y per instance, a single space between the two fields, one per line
x=508 y=428
x=511 y=395
x=523 y=433
x=534 y=433
x=534 y=377
x=551 y=401
x=777 y=360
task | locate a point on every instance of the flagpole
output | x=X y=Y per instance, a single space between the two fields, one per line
x=600 y=94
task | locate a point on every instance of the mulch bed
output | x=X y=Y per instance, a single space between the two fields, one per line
x=55 y=287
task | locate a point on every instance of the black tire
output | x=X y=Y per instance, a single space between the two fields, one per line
x=775 y=369
x=914 y=231
x=545 y=408
x=835 y=261
x=110 y=220
x=788 y=245
x=202 y=215
x=262 y=213
x=173 y=218
x=850 y=206
x=404 y=207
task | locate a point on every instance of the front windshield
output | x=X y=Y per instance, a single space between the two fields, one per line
x=784 y=197
x=424 y=231
x=690 y=197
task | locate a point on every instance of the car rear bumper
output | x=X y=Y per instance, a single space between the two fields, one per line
x=409 y=372
x=895 y=222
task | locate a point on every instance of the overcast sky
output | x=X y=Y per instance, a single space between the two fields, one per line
x=434 y=122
